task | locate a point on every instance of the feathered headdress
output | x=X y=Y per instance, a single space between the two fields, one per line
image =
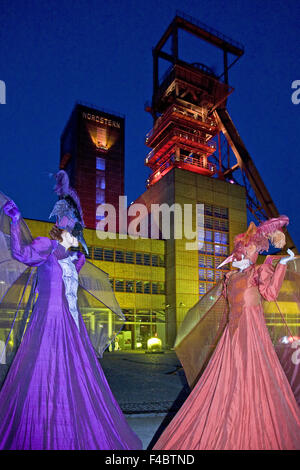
x=67 y=209
x=256 y=239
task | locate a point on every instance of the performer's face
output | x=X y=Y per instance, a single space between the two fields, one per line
x=242 y=263
x=70 y=239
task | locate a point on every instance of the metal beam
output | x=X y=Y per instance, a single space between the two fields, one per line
x=209 y=35
x=201 y=31
x=247 y=166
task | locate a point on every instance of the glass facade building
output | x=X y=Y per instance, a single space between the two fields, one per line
x=213 y=246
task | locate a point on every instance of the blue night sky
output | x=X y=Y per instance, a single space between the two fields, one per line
x=54 y=53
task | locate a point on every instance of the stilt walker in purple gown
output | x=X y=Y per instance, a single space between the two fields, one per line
x=55 y=395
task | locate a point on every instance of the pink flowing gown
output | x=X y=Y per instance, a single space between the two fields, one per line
x=243 y=400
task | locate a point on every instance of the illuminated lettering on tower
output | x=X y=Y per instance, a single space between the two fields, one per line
x=92 y=152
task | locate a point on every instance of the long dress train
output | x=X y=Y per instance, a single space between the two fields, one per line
x=243 y=400
x=55 y=395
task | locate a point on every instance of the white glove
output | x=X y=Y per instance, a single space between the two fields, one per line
x=288 y=258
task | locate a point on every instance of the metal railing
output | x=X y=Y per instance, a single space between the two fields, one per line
x=189 y=137
x=209 y=29
x=199 y=162
x=180 y=110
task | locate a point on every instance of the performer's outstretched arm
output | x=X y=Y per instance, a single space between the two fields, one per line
x=270 y=280
x=33 y=254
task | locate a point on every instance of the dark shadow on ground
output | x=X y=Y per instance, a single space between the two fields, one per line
x=180 y=399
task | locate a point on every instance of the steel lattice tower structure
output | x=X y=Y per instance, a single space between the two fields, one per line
x=192 y=128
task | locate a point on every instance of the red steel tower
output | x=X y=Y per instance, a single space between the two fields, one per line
x=182 y=134
x=182 y=105
x=192 y=128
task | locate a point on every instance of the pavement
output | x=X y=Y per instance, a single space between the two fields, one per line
x=149 y=387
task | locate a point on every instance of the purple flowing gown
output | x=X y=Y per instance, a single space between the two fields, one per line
x=56 y=396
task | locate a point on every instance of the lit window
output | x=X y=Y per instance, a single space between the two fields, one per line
x=108 y=255
x=98 y=253
x=220 y=212
x=119 y=256
x=100 y=163
x=201 y=235
x=209 y=262
x=139 y=287
x=201 y=247
x=220 y=224
x=201 y=288
x=100 y=180
x=202 y=274
x=100 y=196
x=209 y=248
x=119 y=285
x=147 y=287
x=221 y=250
x=208 y=209
x=146 y=259
x=129 y=285
x=208 y=222
x=208 y=236
x=221 y=238
x=154 y=260
x=129 y=257
x=154 y=287
x=213 y=246
x=139 y=258
x=201 y=261
x=219 y=274
x=209 y=285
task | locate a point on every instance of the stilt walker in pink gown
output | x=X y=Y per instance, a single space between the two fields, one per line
x=243 y=400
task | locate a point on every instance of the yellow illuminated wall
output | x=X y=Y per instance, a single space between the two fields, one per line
x=183 y=280
x=136 y=270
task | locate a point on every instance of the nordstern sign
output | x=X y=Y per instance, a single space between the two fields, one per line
x=101 y=120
